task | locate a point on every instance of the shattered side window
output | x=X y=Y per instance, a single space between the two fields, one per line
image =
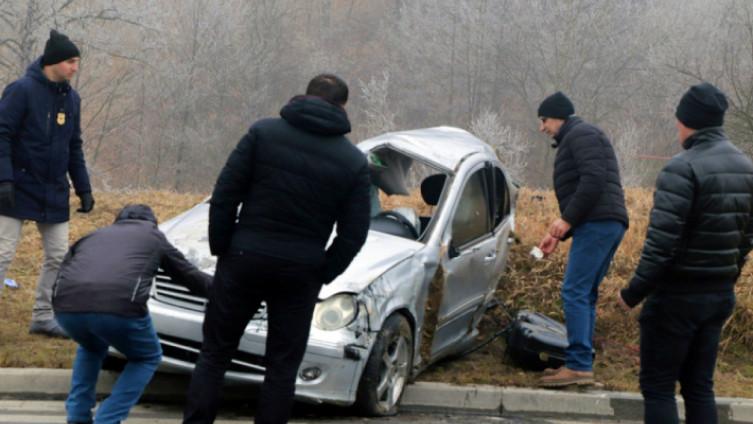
x=397 y=181
x=471 y=220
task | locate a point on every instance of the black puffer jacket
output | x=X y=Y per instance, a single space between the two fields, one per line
x=701 y=225
x=587 y=176
x=111 y=269
x=295 y=177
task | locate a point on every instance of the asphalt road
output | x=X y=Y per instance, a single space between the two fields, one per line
x=53 y=412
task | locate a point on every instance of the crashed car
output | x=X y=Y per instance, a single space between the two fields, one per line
x=414 y=294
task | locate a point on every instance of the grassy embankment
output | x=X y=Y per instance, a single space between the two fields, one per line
x=528 y=284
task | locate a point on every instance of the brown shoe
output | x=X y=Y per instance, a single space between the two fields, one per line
x=550 y=371
x=567 y=377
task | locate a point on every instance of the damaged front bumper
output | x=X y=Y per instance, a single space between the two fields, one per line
x=329 y=373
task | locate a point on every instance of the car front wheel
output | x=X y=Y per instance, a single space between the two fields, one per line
x=387 y=370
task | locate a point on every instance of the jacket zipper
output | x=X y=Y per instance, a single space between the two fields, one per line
x=136 y=289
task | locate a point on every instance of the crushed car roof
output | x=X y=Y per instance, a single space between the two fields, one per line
x=444 y=146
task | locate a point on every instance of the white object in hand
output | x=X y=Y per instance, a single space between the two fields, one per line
x=537 y=253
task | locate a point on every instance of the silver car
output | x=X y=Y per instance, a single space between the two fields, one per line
x=414 y=294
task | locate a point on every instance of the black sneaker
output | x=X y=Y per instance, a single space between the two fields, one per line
x=49 y=328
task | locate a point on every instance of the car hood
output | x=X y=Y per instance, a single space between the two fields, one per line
x=380 y=253
x=188 y=233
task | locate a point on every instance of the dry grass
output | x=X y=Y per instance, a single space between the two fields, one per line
x=528 y=284
x=17 y=347
x=531 y=284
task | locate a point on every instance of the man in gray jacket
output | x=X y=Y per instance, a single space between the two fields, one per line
x=100 y=301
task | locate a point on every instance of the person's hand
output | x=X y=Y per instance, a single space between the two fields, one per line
x=548 y=244
x=559 y=228
x=87 y=202
x=7 y=195
x=621 y=302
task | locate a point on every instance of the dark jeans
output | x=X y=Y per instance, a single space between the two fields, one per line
x=241 y=282
x=679 y=341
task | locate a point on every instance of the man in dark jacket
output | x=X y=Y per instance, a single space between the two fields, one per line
x=296 y=177
x=700 y=231
x=40 y=146
x=100 y=300
x=592 y=207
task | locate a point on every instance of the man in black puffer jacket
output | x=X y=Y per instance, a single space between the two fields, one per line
x=296 y=177
x=100 y=299
x=701 y=230
x=592 y=207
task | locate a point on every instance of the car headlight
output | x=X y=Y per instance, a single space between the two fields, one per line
x=335 y=312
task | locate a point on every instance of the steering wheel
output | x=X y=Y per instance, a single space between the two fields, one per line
x=402 y=220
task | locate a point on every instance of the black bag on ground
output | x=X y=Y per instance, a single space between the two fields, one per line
x=536 y=341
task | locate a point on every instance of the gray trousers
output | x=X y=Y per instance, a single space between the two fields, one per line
x=55 y=241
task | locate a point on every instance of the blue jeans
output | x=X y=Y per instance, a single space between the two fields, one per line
x=594 y=244
x=95 y=332
x=679 y=342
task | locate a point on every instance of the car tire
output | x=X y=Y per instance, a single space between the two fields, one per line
x=387 y=370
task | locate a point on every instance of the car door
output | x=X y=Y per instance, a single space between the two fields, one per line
x=469 y=261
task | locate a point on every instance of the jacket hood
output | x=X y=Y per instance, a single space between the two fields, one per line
x=703 y=135
x=316 y=115
x=139 y=212
x=566 y=127
x=34 y=71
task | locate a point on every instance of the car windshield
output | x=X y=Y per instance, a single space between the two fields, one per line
x=405 y=193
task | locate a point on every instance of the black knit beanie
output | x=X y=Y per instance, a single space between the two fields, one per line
x=556 y=106
x=58 y=48
x=702 y=106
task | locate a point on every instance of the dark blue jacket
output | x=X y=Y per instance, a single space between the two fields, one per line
x=587 y=176
x=40 y=145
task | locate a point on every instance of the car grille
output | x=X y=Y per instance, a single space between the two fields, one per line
x=177 y=294
x=188 y=351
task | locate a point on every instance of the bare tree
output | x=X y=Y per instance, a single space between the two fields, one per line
x=380 y=117
x=510 y=144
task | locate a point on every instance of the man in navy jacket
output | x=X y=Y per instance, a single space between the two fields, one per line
x=592 y=212
x=40 y=146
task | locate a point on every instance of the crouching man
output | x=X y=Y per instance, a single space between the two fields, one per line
x=100 y=301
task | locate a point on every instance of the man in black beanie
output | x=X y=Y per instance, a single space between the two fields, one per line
x=40 y=147
x=701 y=230
x=592 y=208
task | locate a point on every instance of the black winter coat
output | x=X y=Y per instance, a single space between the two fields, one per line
x=111 y=269
x=701 y=225
x=587 y=176
x=296 y=177
x=40 y=146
